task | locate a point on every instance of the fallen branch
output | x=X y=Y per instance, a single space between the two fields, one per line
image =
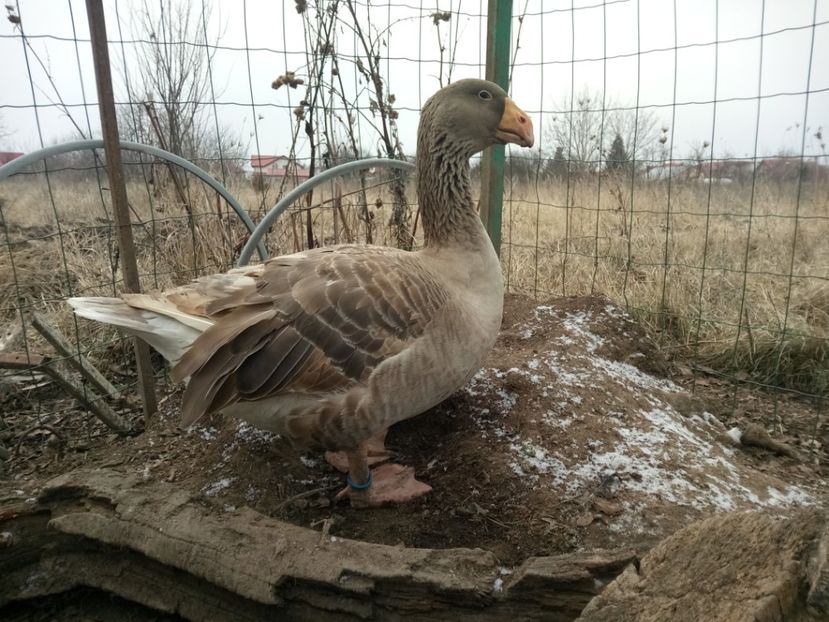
x=756 y=436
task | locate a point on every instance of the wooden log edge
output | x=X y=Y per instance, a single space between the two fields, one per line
x=156 y=544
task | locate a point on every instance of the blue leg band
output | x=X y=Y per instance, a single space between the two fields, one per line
x=355 y=486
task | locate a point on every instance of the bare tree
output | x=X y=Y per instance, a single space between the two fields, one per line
x=168 y=84
x=585 y=131
x=698 y=156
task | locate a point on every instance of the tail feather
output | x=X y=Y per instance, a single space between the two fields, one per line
x=170 y=335
x=160 y=304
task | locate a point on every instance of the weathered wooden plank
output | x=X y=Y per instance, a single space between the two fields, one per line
x=89 y=399
x=118 y=189
x=21 y=360
x=735 y=567
x=152 y=543
x=73 y=357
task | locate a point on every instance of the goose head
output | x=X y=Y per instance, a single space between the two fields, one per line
x=473 y=115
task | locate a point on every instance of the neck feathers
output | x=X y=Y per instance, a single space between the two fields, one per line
x=443 y=188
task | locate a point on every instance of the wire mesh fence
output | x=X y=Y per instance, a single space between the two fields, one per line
x=680 y=167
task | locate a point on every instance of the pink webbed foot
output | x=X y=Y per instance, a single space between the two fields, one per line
x=388 y=483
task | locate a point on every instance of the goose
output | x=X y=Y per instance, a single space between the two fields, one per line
x=331 y=346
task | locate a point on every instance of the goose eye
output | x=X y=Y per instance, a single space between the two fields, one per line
x=485 y=95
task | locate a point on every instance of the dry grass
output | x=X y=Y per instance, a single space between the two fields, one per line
x=741 y=314
x=722 y=278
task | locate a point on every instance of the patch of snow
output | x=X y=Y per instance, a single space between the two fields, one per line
x=736 y=435
x=712 y=420
x=566 y=374
x=534 y=457
x=207 y=433
x=645 y=462
x=227 y=454
x=628 y=375
x=670 y=421
x=638 y=473
x=481 y=384
x=309 y=462
x=253 y=435
x=615 y=312
x=550 y=418
x=517 y=469
x=793 y=496
x=218 y=486
x=508 y=399
x=534 y=378
x=565 y=340
x=578 y=325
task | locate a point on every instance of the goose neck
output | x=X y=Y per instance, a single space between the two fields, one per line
x=444 y=191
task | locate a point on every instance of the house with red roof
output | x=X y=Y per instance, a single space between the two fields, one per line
x=8 y=156
x=277 y=167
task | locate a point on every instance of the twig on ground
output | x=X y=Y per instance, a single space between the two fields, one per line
x=304 y=495
x=32 y=430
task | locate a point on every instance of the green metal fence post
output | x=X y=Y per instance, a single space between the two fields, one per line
x=499 y=23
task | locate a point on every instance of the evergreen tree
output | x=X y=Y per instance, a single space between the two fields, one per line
x=558 y=167
x=617 y=160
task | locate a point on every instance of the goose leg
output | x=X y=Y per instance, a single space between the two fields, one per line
x=376 y=452
x=388 y=483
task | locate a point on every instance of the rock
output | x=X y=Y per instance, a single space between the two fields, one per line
x=606 y=507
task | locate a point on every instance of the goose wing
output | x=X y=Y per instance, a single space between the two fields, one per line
x=313 y=323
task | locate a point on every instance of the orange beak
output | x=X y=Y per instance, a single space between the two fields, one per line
x=515 y=126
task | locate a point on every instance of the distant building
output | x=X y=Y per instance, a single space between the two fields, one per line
x=781 y=169
x=726 y=170
x=8 y=156
x=674 y=169
x=718 y=171
x=276 y=167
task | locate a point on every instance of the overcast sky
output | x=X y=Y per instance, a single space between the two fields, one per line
x=658 y=53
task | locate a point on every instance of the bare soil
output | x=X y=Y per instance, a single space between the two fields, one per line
x=570 y=438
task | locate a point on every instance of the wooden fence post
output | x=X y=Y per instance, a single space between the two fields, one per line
x=118 y=189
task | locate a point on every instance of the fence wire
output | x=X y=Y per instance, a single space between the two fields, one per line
x=680 y=168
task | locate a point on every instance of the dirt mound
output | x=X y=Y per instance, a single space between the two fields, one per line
x=567 y=439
